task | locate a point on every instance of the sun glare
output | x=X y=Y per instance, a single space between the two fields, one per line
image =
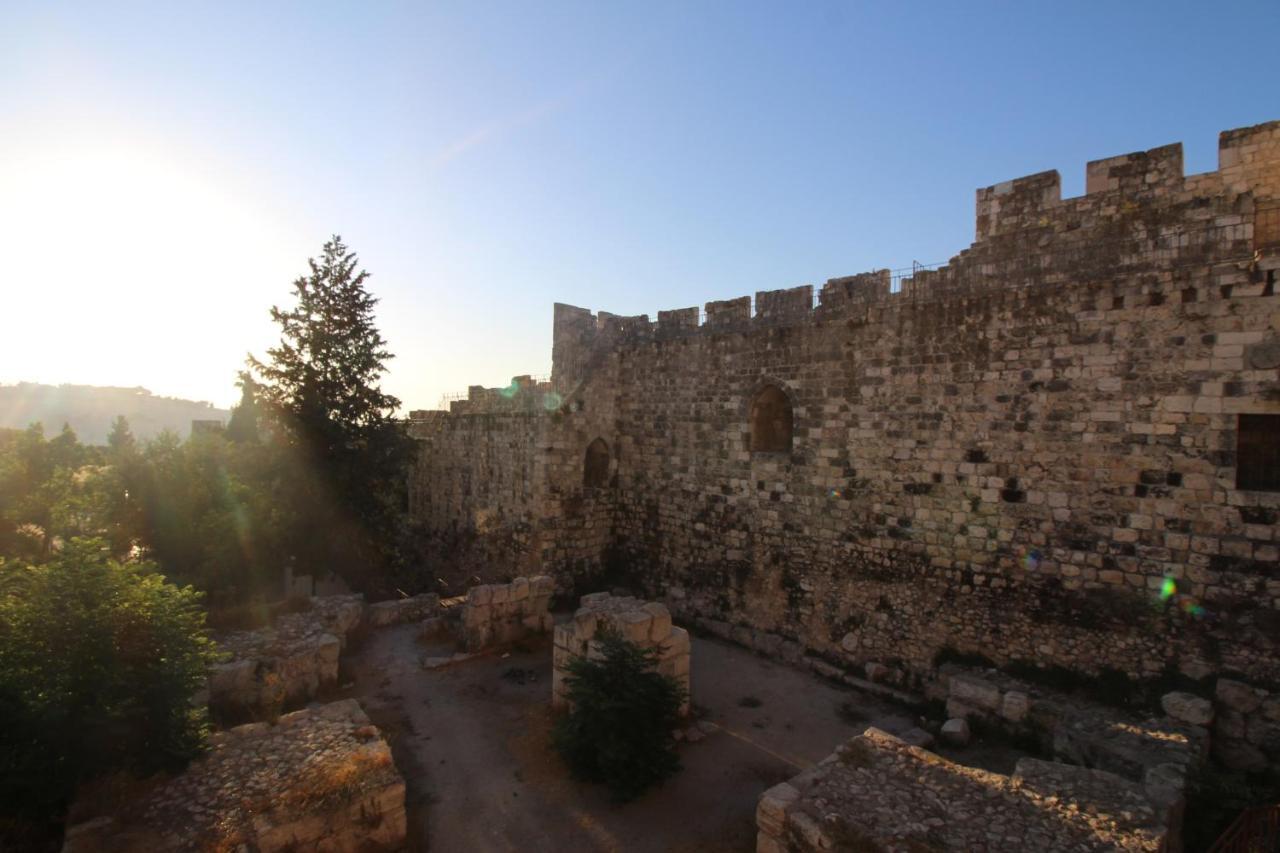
x=142 y=267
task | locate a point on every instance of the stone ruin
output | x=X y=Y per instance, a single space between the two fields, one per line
x=284 y=665
x=497 y=614
x=397 y=611
x=877 y=792
x=1117 y=781
x=294 y=660
x=320 y=779
x=647 y=624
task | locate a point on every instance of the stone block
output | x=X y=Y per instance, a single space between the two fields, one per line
x=876 y=672
x=519 y=589
x=1237 y=696
x=476 y=615
x=676 y=643
x=771 y=810
x=976 y=692
x=501 y=593
x=541 y=586
x=634 y=625
x=956 y=731
x=1187 y=708
x=593 y=598
x=661 y=624
x=479 y=595
x=1015 y=706
x=585 y=624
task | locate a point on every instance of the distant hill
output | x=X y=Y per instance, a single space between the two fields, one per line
x=90 y=409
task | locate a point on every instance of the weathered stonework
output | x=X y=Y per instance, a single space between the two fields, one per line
x=1015 y=454
x=321 y=779
x=1158 y=752
x=283 y=666
x=878 y=793
x=497 y=614
x=646 y=624
x=400 y=610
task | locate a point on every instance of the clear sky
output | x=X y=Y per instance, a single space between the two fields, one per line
x=166 y=169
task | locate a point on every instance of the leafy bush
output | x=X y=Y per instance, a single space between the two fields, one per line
x=619 y=731
x=98 y=664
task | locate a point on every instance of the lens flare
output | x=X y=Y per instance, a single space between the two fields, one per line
x=1031 y=560
x=1168 y=589
x=551 y=401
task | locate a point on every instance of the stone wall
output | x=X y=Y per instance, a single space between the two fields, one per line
x=319 y=779
x=646 y=624
x=1029 y=453
x=498 y=614
x=876 y=792
x=397 y=611
x=285 y=665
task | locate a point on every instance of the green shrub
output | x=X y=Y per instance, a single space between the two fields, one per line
x=619 y=731
x=99 y=661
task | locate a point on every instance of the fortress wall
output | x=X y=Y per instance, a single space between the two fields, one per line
x=476 y=489
x=1010 y=455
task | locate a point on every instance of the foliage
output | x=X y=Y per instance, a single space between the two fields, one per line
x=243 y=426
x=319 y=387
x=618 y=732
x=98 y=663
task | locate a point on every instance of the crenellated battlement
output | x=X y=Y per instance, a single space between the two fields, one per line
x=1248 y=162
x=1139 y=213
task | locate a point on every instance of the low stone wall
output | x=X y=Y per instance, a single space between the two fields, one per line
x=1160 y=749
x=321 y=779
x=1246 y=727
x=877 y=792
x=647 y=624
x=495 y=614
x=283 y=666
x=400 y=610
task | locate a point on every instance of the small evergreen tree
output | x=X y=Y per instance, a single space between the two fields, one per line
x=120 y=441
x=320 y=387
x=618 y=732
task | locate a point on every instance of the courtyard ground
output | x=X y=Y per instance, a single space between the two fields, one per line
x=473 y=743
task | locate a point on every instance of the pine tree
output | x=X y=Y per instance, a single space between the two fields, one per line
x=243 y=425
x=120 y=440
x=320 y=388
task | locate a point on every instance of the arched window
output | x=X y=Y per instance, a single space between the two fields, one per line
x=771 y=421
x=595 y=467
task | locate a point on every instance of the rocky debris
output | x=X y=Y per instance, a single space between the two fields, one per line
x=496 y=614
x=956 y=731
x=320 y=779
x=877 y=792
x=1187 y=708
x=1076 y=730
x=400 y=610
x=1246 y=726
x=647 y=624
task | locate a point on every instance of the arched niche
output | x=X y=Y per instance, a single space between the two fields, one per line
x=771 y=421
x=595 y=465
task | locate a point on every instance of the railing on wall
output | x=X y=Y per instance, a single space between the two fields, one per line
x=1254 y=831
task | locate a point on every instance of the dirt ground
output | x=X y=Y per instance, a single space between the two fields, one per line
x=473 y=743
